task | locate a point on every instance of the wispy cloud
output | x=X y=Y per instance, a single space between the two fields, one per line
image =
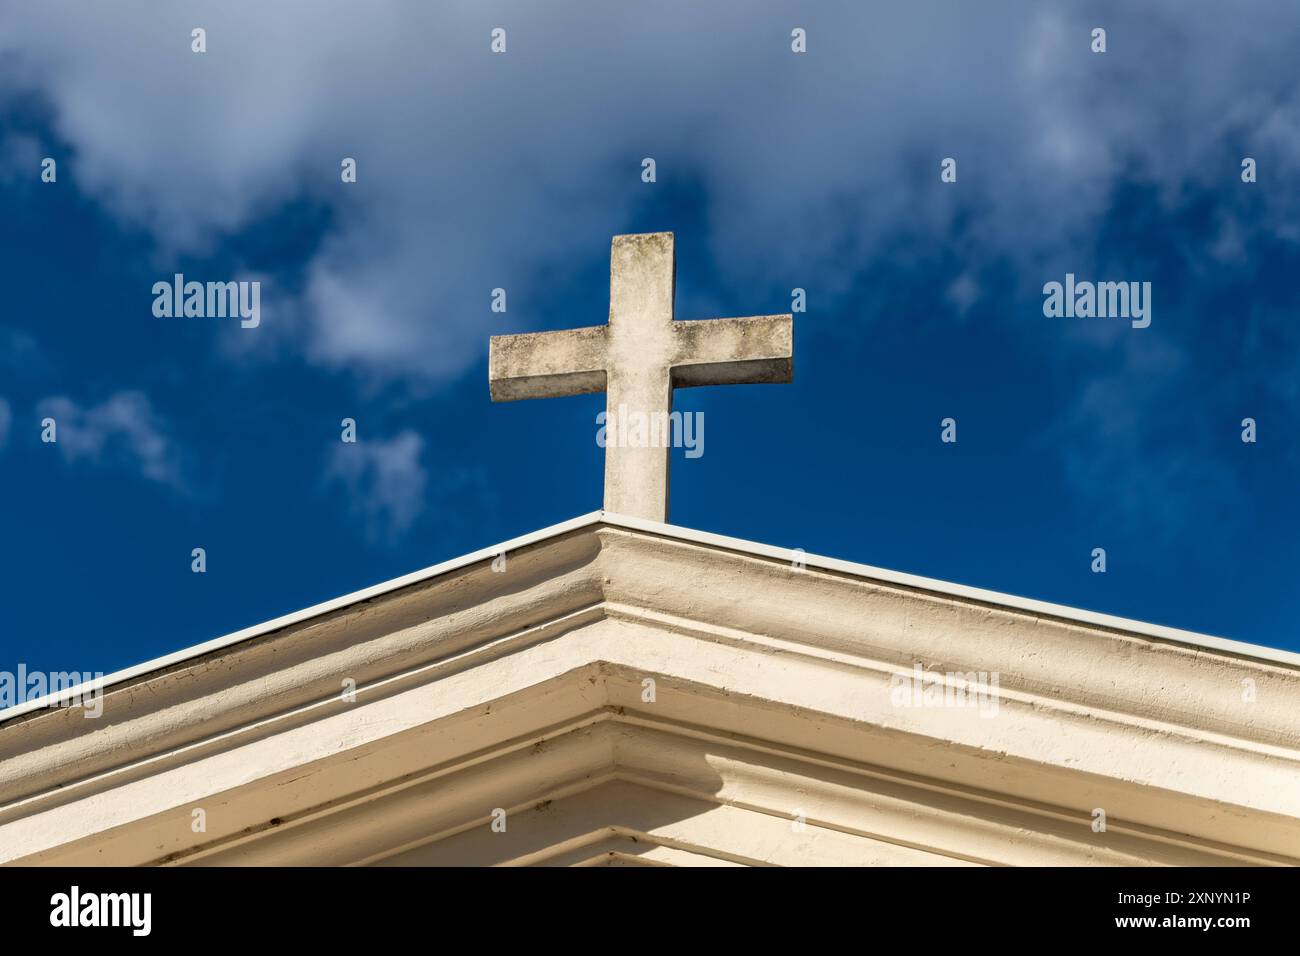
x=1043 y=130
x=385 y=482
x=121 y=431
x=21 y=356
x=20 y=158
x=6 y=419
x=811 y=170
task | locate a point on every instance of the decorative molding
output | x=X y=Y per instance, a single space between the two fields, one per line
x=474 y=686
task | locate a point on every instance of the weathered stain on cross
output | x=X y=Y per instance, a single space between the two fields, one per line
x=637 y=359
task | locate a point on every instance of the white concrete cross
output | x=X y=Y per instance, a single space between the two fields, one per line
x=637 y=360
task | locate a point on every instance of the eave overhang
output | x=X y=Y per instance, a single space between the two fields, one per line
x=459 y=667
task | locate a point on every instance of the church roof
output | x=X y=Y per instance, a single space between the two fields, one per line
x=917 y=582
x=651 y=693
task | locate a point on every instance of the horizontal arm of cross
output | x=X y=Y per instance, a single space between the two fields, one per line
x=744 y=351
x=547 y=364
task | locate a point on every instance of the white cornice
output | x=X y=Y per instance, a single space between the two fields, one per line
x=449 y=665
x=1157 y=632
x=981 y=595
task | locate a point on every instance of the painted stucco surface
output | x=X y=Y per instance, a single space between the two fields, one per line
x=621 y=692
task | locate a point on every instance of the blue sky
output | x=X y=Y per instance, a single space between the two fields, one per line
x=775 y=170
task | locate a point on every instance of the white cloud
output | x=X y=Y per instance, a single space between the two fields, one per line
x=963 y=293
x=20 y=159
x=478 y=170
x=123 y=430
x=20 y=353
x=385 y=481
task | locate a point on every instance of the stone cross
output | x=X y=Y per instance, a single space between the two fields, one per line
x=637 y=359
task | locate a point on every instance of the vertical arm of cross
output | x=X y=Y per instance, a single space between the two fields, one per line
x=637 y=359
x=642 y=279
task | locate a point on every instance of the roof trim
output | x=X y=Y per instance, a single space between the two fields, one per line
x=1156 y=631
x=297 y=617
x=1174 y=635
